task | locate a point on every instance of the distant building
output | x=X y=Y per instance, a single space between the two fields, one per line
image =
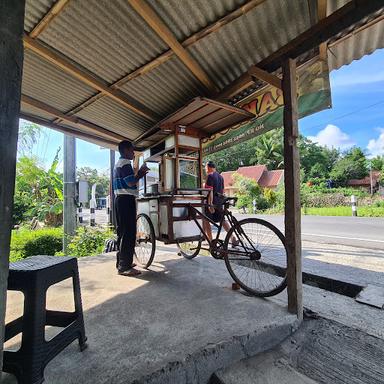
x=365 y=183
x=259 y=173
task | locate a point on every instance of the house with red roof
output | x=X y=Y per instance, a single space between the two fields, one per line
x=365 y=183
x=259 y=173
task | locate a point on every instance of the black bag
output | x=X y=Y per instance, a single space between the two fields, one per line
x=110 y=245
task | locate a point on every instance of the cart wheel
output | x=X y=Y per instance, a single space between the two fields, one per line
x=145 y=241
x=258 y=261
x=189 y=249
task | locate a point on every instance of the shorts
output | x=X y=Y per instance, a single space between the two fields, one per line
x=215 y=216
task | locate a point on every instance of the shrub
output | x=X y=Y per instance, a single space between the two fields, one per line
x=25 y=242
x=43 y=245
x=88 y=241
x=270 y=196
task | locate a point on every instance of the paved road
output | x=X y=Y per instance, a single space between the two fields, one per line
x=363 y=232
x=355 y=231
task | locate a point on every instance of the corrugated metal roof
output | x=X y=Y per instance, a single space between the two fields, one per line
x=47 y=83
x=354 y=47
x=334 y=5
x=229 y=52
x=110 y=40
x=106 y=37
x=29 y=110
x=167 y=87
x=111 y=115
x=185 y=18
x=35 y=11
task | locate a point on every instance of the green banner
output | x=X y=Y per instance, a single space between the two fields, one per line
x=314 y=95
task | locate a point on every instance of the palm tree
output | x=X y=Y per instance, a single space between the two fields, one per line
x=269 y=149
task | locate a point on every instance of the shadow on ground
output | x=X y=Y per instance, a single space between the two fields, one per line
x=178 y=322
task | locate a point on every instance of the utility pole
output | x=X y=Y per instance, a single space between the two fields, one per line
x=69 y=213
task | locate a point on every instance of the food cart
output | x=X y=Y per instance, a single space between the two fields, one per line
x=177 y=158
x=172 y=202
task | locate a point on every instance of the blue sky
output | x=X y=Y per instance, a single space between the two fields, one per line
x=356 y=117
x=357 y=113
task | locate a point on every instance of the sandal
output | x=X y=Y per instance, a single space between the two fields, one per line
x=130 y=272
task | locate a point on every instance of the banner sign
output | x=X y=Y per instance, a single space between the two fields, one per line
x=314 y=95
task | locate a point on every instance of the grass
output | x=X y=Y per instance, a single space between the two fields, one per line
x=367 y=211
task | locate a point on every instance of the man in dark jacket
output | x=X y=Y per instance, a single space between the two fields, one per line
x=214 y=182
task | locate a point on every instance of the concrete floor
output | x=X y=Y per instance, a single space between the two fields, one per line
x=177 y=323
x=321 y=351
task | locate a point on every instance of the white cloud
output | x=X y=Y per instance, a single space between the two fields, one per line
x=376 y=146
x=333 y=137
x=356 y=78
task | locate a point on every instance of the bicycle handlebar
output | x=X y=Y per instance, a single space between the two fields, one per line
x=227 y=199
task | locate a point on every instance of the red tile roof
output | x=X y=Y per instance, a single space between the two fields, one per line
x=228 y=180
x=271 y=179
x=259 y=173
x=366 y=181
x=253 y=172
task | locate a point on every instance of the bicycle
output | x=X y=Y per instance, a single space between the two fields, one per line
x=254 y=250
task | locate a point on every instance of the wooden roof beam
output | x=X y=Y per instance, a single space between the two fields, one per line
x=164 y=57
x=322 y=14
x=191 y=40
x=48 y=18
x=65 y=64
x=265 y=76
x=344 y=17
x=161 y=29
x=96 y=129
x=70 y=131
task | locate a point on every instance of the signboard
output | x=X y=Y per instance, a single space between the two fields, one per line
x=314 y=95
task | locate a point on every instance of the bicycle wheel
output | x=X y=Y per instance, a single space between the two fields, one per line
x=258 y=263
x=189 y=249
x=145 y=241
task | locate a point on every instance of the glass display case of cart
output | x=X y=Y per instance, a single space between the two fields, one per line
x=175 y=162
x=173 y=182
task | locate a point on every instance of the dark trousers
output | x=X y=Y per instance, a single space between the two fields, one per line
x=125 y=206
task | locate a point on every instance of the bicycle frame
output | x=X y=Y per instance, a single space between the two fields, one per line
x=195 y=214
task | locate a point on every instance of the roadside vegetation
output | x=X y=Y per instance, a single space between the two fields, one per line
x=38 y=204
x=324 y=177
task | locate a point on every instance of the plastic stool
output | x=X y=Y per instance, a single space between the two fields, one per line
x=33 y=276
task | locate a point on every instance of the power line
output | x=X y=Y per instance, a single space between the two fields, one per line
x=349 y=114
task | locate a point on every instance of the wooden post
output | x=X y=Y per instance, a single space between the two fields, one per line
x=11 y=65
x=292 y=189
x=177 y=164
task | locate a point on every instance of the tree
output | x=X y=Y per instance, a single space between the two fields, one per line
x=353 y=165
x=38 y=192
x=233 y=157
x=269 y=149
x=377 y=163
x=29 y=134
x=316 y=161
